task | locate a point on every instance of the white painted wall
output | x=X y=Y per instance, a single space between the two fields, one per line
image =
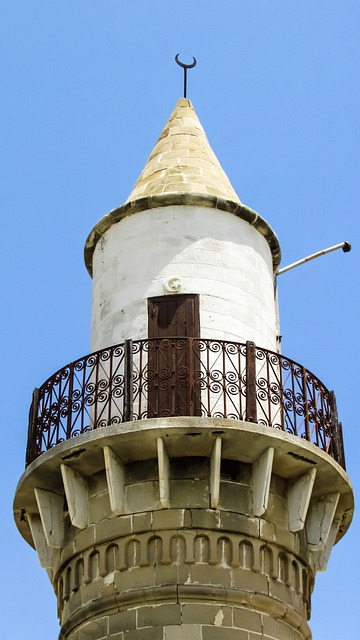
x=207 y=251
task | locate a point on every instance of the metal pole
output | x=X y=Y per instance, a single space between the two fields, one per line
x=185 y=67
x=345 y=246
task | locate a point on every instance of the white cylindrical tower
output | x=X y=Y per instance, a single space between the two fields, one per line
x=185 y=480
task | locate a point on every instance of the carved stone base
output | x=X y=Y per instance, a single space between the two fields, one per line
x=186 y=531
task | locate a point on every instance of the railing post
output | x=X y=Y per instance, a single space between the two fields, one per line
x=128 y=381
x=341 y=451
x=337 y=443
x=306 y=406
x=190 y=359
x=251 y=408
x=30 y=453
x=69 y=416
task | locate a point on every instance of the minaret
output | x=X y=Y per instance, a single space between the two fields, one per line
x=184 y=481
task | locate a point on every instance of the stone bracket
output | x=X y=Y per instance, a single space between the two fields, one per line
x=76 y=491
x=261 y=474
x=51 y=509
x=115 y=476
x=44 y=552
x=299 y=494
x=164 y=474
x=321 y=558
x=319 y=520
x=215 y=467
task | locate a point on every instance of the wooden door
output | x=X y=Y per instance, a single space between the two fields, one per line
x=172 y=323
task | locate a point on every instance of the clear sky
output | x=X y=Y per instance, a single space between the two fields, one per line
x=86 y=87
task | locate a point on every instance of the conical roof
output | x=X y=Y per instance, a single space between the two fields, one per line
x=182 y=170
x=182 y=161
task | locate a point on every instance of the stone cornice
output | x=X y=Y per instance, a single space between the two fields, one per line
x=182 y=199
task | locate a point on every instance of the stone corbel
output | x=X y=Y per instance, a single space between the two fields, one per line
x=76 y=491
x=44 y=552
x=261 y=478
x=164 y=476
x=215 y=466
x=299 y=494
x=319 y=520
x=320 y=559
x=115 y=476
x=51 y=509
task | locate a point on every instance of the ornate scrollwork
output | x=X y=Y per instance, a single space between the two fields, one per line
x=179 y=377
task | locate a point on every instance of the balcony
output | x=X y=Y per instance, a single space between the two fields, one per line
x=172 y=377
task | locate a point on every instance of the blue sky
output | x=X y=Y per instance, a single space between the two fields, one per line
x=86 y=87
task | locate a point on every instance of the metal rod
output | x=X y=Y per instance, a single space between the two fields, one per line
x=345 y=246
x=128 y=387
x=185 y=67
x=251 y=409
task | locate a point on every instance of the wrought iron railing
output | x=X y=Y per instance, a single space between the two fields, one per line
x=183 y=377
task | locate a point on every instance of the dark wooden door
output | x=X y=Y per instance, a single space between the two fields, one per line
x=172 y=323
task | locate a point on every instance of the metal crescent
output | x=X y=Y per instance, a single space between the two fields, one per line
x=182 y=64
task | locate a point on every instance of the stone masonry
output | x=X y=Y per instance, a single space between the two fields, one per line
x=151 y=542
x=192 y=521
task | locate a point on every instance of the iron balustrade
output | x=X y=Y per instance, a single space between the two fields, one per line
x=183 y=377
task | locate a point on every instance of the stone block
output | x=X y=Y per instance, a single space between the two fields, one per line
x=74 y=602
x=267 y=530
x=94 y=590
x=113 y=528
x=97 y=484
x=142 y=471
x=183 y=574
x=143 y=496
x=189 y=493
x=183 y=632
x=210 y=574
x=249 y=581
x=168 y=519
x=99 y=508
x=299 y=604
x=239 y=523
x=246 y=619
x=277 y=629
x=285 y=538
x=168 y=574
x=141 y=522
x=154 y=633
x=223 y=633
x=235 y=497
x=122 y=621
x=190 y=467
x=95 y=629
x=162 y=614
x=206 y=614
x=202 y=518
x=281 y=591
x=85 y=538
x=67 y=550
x=277 y=511
x=135 y=578
x=278 y=486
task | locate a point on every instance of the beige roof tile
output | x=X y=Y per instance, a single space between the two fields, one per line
x=185 y=159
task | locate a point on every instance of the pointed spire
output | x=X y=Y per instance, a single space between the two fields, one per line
x=182 y=170
x=182 y=161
